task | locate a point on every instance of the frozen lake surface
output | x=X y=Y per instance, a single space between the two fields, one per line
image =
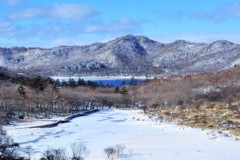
x=144 y=138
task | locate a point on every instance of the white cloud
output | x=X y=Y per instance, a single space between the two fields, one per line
x=218 y=14
x=232 y=10
x=72 y=11
x=58 y=11
x=7 y=30
x=27 y=13
x=64 y=24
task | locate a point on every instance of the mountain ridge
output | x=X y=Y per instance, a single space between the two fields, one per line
x=128 y=35
x=127 y=55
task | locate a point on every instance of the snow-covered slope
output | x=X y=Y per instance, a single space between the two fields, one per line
x=128 y=55
x=144 y=138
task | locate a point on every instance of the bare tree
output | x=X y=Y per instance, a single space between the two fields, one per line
x=79 y=151
x=119 y=148
x=130 y=150
x=7 y=145
x=29 y=151
x=55 y=154
x=110 y=152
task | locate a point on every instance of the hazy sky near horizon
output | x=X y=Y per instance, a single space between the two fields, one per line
x=48 y=23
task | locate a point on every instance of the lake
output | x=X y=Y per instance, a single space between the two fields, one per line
x=112 y=81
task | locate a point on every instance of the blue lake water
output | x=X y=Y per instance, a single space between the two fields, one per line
x=116 y=82
x=112 y=82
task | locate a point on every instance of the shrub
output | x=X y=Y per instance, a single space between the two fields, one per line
x=7 y=145
x=55 y=154
x=119 y=149
x=79 y=151
x=110 y=152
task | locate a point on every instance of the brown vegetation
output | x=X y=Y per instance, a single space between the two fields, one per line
x=21 y=97
x=206 y=100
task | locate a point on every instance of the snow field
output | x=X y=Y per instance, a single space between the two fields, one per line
x=144 y=138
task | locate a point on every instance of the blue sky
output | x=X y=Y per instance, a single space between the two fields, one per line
x=49 y=23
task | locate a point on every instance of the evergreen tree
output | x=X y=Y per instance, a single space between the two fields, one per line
x=81 y=82
x=64 y=83
x=50 y=80
x=92 y=84
x=21 y=91
x=71 y=82
x=133 y=82
x=116 y=90
x=21 y=80
x=38 y=83
x=57 y=83
x=124 y=91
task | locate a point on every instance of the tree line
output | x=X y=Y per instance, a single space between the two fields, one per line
x=22 y=97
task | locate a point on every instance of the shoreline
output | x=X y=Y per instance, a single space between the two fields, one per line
x=102 y=77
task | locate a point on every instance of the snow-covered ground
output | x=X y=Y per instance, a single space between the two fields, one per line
x=144 y=138
x=31 y=123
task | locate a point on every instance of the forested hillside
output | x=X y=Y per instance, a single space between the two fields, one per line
x=200 y=97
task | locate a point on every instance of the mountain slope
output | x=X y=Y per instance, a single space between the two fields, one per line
x=128 y=55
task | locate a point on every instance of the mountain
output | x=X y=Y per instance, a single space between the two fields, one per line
x=128 y=55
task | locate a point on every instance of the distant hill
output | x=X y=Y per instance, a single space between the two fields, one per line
x=128 y=55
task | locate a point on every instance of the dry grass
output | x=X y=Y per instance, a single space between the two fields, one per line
x=213 y=115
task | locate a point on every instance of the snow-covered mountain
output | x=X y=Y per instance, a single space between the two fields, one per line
x=128 y=55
